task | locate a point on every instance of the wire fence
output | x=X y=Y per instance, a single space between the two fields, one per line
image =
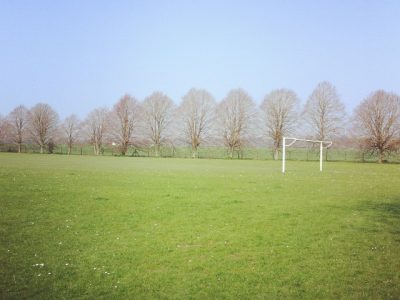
x=303 y=154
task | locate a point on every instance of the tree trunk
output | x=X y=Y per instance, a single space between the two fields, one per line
x=276 y=154
x=19 y=147
x=69 y=149
x=96 y=149
x=124 y=149
x=231 y=152
x=41 y=149
x=380 y=157
x=194 y=153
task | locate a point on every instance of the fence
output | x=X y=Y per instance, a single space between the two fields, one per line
x=305 y=154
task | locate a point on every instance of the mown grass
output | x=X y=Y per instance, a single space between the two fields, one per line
x=121 y=227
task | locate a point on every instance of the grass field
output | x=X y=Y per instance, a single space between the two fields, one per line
x=115 y=227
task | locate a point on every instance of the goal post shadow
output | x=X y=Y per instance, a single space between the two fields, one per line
x=291 y=141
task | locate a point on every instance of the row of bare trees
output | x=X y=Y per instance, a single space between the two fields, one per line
x=36 y=125
x=198 y=120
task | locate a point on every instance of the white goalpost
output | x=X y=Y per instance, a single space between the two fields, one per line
x=322 y=145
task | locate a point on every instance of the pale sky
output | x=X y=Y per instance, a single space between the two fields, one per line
x=80 y=55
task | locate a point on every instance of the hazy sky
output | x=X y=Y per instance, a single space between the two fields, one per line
x=79 y=55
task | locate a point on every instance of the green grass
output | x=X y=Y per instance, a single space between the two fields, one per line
x=122 y=227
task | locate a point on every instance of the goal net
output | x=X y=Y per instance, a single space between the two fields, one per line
x=290 y=141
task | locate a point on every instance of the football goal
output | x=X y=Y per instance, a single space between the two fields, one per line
x=289 y=141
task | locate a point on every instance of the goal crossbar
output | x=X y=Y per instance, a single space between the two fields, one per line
x=322 y=145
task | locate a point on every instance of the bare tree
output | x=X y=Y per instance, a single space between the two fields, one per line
x=157 y=110
x=42 y=124
x=235 y=115
x=324 y=112
x=70 y=131
x=280 y=115
x=18 y=120
x=377 y=121
x=124 y=118
x=96 y=127
x=2 y=129
x=196 y=112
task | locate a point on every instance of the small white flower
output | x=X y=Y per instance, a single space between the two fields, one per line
x=67 y=264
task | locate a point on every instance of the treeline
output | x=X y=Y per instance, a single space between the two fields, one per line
x=200 y=121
